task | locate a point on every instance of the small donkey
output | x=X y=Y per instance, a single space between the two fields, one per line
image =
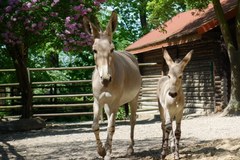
x=171 y=102
x=116 y=80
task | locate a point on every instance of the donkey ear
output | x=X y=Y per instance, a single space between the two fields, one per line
x=167 y=58
x=90 y=28
x=112 y=25
x=186 y=59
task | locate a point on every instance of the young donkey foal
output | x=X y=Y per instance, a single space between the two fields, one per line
x=116 y=80
x=171 y=101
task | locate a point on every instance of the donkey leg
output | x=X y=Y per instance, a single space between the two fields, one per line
x=167 y=125
x=133 y=105
x=177 y=135
x=162 y=120
x=165 y=147
x=111 y=115
x=95 y=128
x=163 y=132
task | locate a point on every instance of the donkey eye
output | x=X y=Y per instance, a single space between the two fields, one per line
x=180 y=77
x=168 y=76
x=95 y=51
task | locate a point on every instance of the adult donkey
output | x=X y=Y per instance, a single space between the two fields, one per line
x=171 y=101
x=116 y=80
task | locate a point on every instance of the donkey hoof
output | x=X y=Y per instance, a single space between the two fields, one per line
x=107 y=157
x=176 y=157
x=163 y=156
x=130 y=151
x=101 y=152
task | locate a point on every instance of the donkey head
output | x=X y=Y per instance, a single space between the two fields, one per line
x=175 y=73
x=103 y=47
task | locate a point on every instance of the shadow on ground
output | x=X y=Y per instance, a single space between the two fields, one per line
x=17 y=146
x=146 y=149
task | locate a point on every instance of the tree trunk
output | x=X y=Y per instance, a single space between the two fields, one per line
x=53 y=61
x=143 y=14
x=234 y=57
x=18 y=54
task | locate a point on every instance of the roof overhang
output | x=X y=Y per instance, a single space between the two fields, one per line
x=184 y=35
x=166 y=43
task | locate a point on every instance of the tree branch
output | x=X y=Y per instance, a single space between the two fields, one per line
x=238 y=25
x=223 y=23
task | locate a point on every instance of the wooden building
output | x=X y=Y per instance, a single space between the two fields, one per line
x=207 y=76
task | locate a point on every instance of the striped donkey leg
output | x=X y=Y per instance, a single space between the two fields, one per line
x=166 y=131
x=111 y=116
x=133 y=105
x=178 y=134
x=108 y=144
x=95 y=128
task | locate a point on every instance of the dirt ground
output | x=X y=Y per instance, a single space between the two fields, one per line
x=203 y=138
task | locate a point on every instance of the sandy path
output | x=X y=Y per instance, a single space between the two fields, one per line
x=205 y=138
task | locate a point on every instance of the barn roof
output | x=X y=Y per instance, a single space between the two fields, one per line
x=184 y=27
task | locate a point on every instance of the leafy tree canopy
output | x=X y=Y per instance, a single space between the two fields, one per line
x=163 y=10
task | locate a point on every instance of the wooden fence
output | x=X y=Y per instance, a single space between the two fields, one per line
x=49 y=103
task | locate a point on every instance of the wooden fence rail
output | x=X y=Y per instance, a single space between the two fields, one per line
x=37 y=104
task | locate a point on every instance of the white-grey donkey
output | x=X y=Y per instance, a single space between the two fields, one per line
x=171 y=102
x=116 y=80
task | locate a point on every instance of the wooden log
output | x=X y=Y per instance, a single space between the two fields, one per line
x=198 y=105
x=61 y=82
x=62 y=96
x=62 y=105
x=62 y=114
x=148 y=89
x=10 y=107
x=201 y=94
x=151 y=103
x=12 y=98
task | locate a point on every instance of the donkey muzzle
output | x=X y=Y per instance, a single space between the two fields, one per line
x=106 y=80
x=172 y=94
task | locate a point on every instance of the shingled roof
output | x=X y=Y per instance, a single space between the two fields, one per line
x=184 y=27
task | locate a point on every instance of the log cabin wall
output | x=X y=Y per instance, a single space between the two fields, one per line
x=150 y=76
x=205 y=80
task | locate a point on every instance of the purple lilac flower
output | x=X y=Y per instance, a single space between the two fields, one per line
x=96 y=3
x=13 y=2
x=101 y=1
x=67 y=31
x=40 y=25
x=26 y=6
x=1 y=18
x=54 y=2
x=54 y=14
x=8 y=9
x=89 y=9
x=67 y=20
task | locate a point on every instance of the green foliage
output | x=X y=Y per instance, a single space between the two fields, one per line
x=197 y=4
x=166 y=8
x=6 y=62
x=129 y=24
x=163 y=10
x=121 y=114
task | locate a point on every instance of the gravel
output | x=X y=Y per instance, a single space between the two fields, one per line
x=209 y=138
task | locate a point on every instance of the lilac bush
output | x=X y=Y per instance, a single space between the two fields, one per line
x=31 y=22
x=25 y=24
